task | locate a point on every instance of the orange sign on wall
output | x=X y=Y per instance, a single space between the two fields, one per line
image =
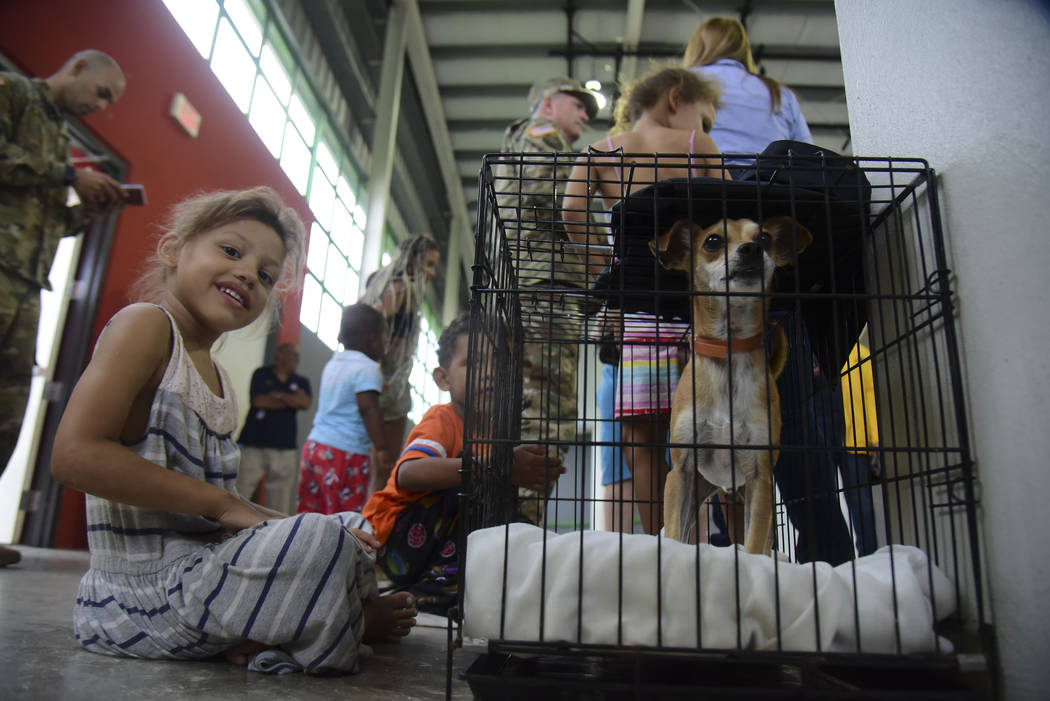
x=186 y=114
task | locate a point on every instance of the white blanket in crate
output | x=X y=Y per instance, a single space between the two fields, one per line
x=813 y=600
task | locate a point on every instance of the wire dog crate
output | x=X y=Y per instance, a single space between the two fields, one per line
x=581 y=595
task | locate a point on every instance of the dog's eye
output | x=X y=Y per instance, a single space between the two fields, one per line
x=713 y=242
x=765 y=241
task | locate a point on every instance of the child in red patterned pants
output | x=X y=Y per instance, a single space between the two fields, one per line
x=334 y=469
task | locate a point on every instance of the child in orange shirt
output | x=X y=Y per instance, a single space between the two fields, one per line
x=415 y=515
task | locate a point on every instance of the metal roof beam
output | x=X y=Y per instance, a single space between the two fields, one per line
x=632 y=34
x=606 y=49
x=439 y=7
x=815 y=93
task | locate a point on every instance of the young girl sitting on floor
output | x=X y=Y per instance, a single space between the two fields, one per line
x=182 y=567
x=667 y=111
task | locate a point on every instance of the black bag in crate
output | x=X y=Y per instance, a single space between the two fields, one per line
x=824 y=191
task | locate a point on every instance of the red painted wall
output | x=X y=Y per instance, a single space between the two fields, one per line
x=158 y=61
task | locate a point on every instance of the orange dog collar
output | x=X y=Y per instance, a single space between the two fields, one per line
x=721 y=349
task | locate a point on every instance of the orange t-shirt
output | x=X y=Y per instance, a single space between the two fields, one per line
x=438 y=435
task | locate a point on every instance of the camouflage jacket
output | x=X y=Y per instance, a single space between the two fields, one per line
x=34 y=156
x=529 y=196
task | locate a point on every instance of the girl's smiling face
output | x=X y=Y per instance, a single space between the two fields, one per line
x=223 y=276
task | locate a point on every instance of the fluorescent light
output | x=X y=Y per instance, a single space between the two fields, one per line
x=593 y=84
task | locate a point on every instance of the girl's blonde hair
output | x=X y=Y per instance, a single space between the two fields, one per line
x=725 y=37
x=412 y=254
x=644 y=92
x=192 y=217
x=406 y=272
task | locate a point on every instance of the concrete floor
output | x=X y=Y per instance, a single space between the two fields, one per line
x=42 y=661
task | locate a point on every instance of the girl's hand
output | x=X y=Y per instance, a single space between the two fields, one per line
x=241 y=514
x=268 y=512
x=368 y=541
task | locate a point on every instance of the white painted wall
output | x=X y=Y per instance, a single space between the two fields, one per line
x=240 y=353
x=966 y=85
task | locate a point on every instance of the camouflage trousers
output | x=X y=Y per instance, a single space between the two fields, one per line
x=552 y=326
x=19 y=315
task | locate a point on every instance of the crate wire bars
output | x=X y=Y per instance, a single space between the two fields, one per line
x=877 y=270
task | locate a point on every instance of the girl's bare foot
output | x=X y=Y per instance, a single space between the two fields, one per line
x=243 y=653
x=389 y=618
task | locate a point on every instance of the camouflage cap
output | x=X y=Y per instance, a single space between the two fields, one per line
x=550 y=86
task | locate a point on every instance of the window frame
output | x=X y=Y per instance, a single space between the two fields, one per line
x=347 y=183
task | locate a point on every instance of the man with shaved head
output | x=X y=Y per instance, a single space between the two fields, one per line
x=36 y=172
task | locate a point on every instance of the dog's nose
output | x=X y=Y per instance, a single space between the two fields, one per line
x=749 y=252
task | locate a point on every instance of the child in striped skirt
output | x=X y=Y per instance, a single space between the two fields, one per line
x=182 y=566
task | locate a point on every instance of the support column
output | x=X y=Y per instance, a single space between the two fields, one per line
x=632 y=34
x=901 y=80
x=384 y=137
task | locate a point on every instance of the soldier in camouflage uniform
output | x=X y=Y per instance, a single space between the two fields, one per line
x=528 y=196
x=35 y=176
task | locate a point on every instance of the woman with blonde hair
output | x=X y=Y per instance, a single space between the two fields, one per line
x=755 y=109
x=396 y=290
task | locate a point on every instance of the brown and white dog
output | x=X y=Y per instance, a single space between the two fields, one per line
x=728 y=394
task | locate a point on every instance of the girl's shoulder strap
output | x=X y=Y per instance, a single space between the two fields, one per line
x=140 y=306
x=142 y=326
x=616 y=168
x=177 y=352
x=696 y=171
x=171 y=320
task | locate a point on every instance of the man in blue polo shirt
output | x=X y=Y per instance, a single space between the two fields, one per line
x=269 y=445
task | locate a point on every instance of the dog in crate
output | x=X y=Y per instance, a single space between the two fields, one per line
x=727 y=394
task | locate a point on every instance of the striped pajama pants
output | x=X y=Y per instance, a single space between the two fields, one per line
x=298 y=584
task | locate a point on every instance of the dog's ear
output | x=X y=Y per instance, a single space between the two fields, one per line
x=671 y=248
x=789 y=239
